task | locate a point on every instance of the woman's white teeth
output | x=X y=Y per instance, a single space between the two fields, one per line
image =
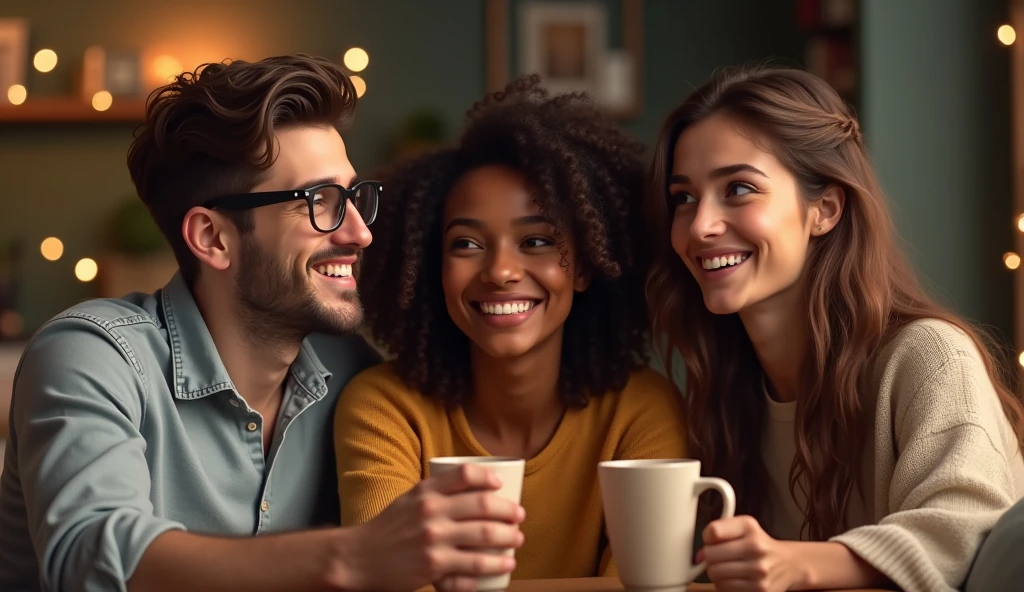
x=724 y=261
x=504 y=308
x=332 y=270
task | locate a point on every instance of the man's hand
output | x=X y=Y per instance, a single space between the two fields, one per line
x=437 y=533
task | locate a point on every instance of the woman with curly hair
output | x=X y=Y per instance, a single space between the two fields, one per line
x=866 y=430
x=507 y=282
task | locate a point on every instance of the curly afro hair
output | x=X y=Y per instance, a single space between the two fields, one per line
x=587 y=177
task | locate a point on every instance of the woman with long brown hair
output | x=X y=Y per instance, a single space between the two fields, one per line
x=867 y=432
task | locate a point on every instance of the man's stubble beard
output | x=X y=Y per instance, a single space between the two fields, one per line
x=281 y=307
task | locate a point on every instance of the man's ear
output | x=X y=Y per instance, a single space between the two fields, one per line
x=211 y=237
x=827 y=211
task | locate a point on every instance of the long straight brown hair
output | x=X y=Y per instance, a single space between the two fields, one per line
x=860 y=290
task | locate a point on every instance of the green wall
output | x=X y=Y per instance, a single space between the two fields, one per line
x=937 y=119
x=66 y=180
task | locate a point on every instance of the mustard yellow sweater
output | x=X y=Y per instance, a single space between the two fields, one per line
x=385 y=434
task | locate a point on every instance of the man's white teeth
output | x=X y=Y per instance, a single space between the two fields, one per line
x=504 y=308
x=332 y=270
x=724 y=261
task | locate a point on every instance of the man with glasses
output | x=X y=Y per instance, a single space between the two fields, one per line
x=152 y=436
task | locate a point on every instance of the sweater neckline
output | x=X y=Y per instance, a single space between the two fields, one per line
x=563 y=433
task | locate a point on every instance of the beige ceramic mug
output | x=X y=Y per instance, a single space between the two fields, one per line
x=650 y=509
x=510 y=471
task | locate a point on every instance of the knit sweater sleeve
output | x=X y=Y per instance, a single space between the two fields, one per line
x=943 y=466
x=376 y=444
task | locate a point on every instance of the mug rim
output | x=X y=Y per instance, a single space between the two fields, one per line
x=649 y=463
x=476 y=460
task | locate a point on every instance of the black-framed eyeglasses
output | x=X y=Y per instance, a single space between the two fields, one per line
x=327 y=203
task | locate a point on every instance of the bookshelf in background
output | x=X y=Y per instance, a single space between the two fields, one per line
x=831 y=30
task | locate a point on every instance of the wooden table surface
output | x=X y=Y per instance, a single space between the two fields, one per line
x=598 y=585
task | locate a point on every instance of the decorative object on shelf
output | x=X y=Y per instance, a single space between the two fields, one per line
x=421 y=131
x=11 y=323
x=568 y=44
x=133 y=231
x=13 y=56
x=118 y=72
x=831 y=51
x=137 y=258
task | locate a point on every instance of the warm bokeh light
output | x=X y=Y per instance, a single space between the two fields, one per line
x=356 y=59
x=86 y=269
x=1007 y=35
x=1011 y=260
x=1020 y=223
x=166 y=67
x=1021 y=359
x=45 y=60
x=102 y=101
x=51 y=248
x=11 y=324
x=360 y=85
x=17 y=94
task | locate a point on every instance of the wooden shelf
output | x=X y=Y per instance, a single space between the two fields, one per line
x=72 y=110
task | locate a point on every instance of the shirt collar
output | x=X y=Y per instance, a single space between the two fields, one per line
x=196 y=363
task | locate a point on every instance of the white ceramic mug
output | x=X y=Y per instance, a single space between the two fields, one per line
x=650 y=509
x=510 y=471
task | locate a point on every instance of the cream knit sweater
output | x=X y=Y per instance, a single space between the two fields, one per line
x=945 y=462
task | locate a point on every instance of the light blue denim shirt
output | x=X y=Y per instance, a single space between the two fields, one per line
x=125 y=424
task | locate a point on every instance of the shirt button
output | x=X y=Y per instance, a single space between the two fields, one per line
x=265 y=506
x=252 y=426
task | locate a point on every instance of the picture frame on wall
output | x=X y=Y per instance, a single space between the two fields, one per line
x=564 y=42
x=116 y=71
x=570 y=45
x=13 y=54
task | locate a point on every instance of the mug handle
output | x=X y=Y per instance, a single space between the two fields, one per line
x=728 y=508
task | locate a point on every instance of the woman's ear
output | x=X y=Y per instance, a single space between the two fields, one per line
x=827 y=211
x=582 y=281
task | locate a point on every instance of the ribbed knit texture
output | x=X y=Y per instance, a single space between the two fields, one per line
x=385 y=434
x=945 y=462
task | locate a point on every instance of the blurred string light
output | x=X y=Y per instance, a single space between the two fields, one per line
x=86 y=270
x=52 y=248
x=356 y=59
x=1006 y=35
x=102 y=100
x=360 y=85
x=17 y=94
x=45 y=60
x=166 y=67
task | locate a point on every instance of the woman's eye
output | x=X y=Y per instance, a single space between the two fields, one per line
x=537 y=241
x=464 y=243
x=679 y=198
x=740 y=189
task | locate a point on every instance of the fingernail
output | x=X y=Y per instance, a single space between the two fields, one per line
x=700 y=556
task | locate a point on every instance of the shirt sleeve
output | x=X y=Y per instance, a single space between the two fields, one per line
x=376 y=446
x=77 y=404
x=952 y=477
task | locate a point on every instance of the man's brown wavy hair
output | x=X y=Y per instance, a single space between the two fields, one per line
x=860 y=292
x=585 y=174
x=211 y=132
